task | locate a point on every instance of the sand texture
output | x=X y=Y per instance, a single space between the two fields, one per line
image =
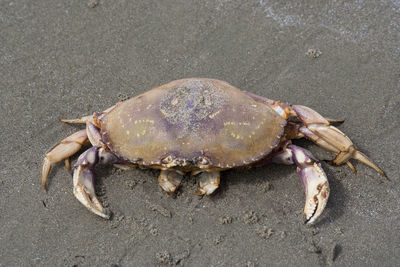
x=65 y=59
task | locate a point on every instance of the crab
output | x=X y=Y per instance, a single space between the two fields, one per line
x=202 y=127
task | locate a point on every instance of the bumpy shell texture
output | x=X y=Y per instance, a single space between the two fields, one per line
x=192 y=122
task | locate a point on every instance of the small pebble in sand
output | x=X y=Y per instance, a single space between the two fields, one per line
x=164 y=257
x=264 y=232
x=264 y=186
x=131 y=184
x=93 y=3
x=153 y=231
x=313 y=53
x=219 y=240
x=250 y=217
x=283 y=234
x=338 y=231
x=225 y=220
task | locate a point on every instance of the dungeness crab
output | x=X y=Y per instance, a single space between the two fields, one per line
x=202 y=126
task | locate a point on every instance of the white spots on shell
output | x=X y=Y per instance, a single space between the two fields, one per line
x=236 y=123
x=149 y=106
x=144 y=121
x=128 y=132
x=236 y=136
x=235 y=129
x=261 y=124
x=141 y=127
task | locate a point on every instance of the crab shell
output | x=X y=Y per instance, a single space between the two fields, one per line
x=191 y=125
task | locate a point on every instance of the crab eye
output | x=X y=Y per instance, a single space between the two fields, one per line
x=202 y=160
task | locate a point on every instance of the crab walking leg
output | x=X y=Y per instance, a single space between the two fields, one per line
x=83 y=178
x=312 y=176
x=78 y=120
x=208 y=183
x=62 y=151
x=87 y=118
x=318 y=129
x=169 y=181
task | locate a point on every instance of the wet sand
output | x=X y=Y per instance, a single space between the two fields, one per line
x=64 y=60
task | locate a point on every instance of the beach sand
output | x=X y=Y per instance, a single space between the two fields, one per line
x=64 y=59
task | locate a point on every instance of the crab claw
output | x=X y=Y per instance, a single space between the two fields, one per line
x=83 y=178
x=314 y=181
x=85 y=193
x=312 y=176
x=316 y=188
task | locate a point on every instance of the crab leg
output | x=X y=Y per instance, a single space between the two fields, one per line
x=87 y=118
x=318 y=129
x=62 y=151
x=83 y=178
x=312 y=176
x=79 y=120
x=169 y=181
x=208 y=183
